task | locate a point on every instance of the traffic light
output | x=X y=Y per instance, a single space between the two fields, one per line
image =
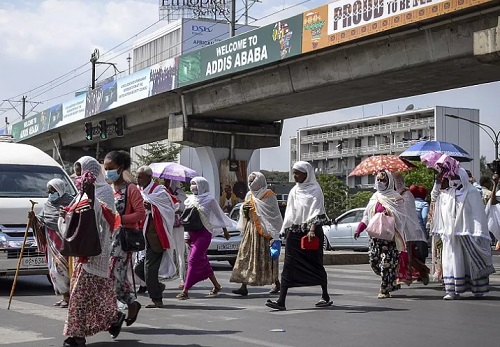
x=103 y=128
x=88 y=131
x=119 y=126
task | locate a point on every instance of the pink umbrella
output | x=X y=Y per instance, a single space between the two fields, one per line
x=172 y=171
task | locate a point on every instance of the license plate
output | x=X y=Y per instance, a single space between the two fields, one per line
x=227 y=247
x=34 y=262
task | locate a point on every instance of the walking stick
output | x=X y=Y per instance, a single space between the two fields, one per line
x=30 y=223
x=133 y=275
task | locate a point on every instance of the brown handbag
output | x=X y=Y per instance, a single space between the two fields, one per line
x=82 y=235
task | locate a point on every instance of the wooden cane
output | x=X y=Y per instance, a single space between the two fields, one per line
x=30 y=223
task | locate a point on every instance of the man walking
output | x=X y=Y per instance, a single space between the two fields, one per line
x=158 y=226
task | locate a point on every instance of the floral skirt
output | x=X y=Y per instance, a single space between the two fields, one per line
x=254 y=265
x=92 y=305
x=384 y=262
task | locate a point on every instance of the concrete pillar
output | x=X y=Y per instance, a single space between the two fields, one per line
x=487 y=45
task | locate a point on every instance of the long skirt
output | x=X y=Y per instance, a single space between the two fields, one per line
x=410 y=268
x=57 y=263
x=254 y=265
x=303 y=268
x=92 y=305
x=466 y=264
x=199 y=268
x=384 y=262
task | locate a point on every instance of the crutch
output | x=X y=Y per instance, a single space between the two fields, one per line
x=30 y=223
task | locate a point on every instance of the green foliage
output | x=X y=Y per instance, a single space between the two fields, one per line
x=335 y=192
x=360 y=199
x=421 y=176
x=276 y=176
x=158 y=152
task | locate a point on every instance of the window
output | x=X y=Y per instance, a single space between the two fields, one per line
x=357 y=143
x=357 y=180
x=371 y=179
x=371 y=141
x=348 y=218
x=29 y=181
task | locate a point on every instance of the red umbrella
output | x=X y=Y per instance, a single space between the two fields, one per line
x=372 y=165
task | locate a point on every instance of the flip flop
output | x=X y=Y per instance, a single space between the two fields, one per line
x=324 y=303
x=215 y=291
x=275 y=305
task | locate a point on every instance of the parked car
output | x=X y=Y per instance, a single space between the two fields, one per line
x=221 y=249
x=340 y=235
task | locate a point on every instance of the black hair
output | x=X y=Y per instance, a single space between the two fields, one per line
x=120 y=158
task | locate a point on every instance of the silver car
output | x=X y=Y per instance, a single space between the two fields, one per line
x=221 y=249
x=340 y=235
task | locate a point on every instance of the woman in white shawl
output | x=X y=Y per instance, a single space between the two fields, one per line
x=304 y=216
x=412 y=258
x=384 y=254
x=260 y=221
x=460 y=220
x=213 y=219
x=92 y=305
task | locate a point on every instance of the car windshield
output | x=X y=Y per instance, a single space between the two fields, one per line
x=29 y=181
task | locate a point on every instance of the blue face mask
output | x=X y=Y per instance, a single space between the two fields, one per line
x=53 y=196
x=112 y=175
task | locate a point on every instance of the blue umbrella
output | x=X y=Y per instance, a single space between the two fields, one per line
x=455 y=151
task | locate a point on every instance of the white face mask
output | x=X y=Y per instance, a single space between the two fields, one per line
x=380 y=186
x=194 y=189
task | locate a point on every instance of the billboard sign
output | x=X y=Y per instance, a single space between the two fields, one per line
x=197 y=33
x=346 y=20
x=258 y=47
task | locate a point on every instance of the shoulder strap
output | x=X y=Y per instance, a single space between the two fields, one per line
x=125 y=199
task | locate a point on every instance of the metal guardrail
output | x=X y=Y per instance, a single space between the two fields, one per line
x=364 y=131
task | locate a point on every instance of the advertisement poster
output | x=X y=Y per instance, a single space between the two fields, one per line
x=233 y=183
x=73 y=110
x=163 y=77
x=28 y=127
x=133 y=87
x=258 y=47
x=346 y=20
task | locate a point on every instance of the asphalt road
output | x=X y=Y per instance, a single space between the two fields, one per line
x=415 y=316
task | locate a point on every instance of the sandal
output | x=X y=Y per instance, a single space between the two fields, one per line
x=214 y=291
x=57 y=304
x=182 y=296
x=323 y=303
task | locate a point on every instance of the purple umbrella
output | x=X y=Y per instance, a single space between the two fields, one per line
x=172 y=171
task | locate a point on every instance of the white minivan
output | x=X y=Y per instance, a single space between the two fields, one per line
x=24 y=173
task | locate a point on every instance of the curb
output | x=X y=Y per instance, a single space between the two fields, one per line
x=336 y=258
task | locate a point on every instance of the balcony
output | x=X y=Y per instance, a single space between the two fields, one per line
x=358 y=151
x=368 y=131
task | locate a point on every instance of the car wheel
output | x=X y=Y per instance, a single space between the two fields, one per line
x=232 y=262
x=326 y=245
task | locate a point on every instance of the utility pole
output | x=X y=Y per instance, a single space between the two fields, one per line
x=94 y=57
x=128 y=60
x=232 y=21
x=23 y=114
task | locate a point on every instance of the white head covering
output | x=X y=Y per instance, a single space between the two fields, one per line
x=58 y=184
x=103 y=190
x=266 y=207
x=212 y=215
x=305 y=200
x=412 y=230
x=175 y=188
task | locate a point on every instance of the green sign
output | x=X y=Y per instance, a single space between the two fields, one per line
x=258 y=47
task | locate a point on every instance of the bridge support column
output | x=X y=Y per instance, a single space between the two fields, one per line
x=224 y=147
x=487 y=45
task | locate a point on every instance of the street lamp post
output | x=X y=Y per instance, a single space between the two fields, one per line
x=494 y=138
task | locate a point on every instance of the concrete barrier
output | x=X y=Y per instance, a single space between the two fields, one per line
x=341 y=258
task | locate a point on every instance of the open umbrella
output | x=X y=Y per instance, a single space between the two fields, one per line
x=455 y=151
x=372 y=165
x=172 y=171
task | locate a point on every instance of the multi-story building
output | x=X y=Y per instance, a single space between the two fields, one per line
x=337 y=148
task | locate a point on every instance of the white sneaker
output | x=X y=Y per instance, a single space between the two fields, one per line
x=451 y=296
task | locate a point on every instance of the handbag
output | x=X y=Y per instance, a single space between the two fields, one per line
x=82 y=236
x=275 y=249
x=307 y=245
x=131 y=239
x=191 y=219
x=381 y=226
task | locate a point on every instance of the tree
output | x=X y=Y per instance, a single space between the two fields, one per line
x=483 y=168
x=335 y=193
x=158 y=152
x=421 y=176
x=360 y=199
x=276 y=176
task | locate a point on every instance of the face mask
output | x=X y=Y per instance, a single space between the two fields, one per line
x=380 y=186
x=53 y=196
x=194 y=190
x=112 y=175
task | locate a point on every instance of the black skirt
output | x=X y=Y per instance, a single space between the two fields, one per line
x=303 y=268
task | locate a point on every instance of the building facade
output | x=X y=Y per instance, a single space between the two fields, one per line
x=337 y=148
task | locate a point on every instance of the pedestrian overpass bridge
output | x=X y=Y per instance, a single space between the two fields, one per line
x=243 y=110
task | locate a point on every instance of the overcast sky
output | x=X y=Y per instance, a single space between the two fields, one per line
x=42 y=40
